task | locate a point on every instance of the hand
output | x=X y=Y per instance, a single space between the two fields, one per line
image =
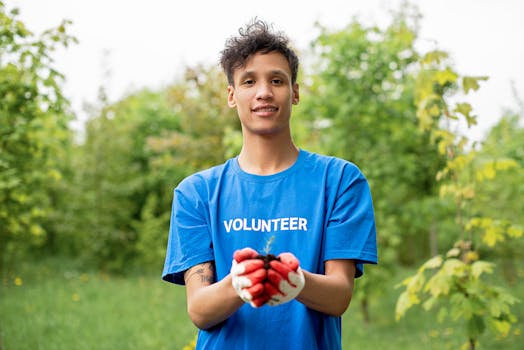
x=248 y=275
x=285 y=279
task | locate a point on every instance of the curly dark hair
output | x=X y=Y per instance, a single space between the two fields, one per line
x=256 y=37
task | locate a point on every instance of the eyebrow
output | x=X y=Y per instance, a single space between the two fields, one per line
x=279 y=72
x=246 y=74
x=250 y=73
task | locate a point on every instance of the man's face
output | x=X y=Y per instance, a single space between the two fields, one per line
x=263 y=94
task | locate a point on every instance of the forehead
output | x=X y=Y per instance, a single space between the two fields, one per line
x=264 y=63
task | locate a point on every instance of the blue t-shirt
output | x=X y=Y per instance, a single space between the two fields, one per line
x=318 y=209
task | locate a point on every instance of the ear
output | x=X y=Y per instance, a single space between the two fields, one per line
x=231 y=96
x=296 y=96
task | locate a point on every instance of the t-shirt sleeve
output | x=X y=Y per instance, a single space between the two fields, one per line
x=189 y=241
x=351 y=230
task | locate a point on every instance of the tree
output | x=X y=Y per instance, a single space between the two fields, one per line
x=112 y=178
x=209 y=129
x=457 y=282
x=135 y=152
x=359 y=106
x=33 y=129
x=501 y=197
x=208 y=133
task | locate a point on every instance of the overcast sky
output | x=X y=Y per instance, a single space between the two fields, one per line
x=149 y=42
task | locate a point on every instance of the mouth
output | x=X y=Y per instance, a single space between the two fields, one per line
x=265 y=110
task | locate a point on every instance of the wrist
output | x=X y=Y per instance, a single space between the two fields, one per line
x=300 y=296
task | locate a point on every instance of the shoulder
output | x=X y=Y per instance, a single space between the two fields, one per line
x=333 y=166
x=204 y=179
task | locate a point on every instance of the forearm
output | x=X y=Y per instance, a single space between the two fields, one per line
x=330 y=293
x=212 y=304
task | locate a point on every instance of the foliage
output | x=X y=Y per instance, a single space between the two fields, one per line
x=107 y=198
x=208 y=133
x=152 y=234
x=501 y=197
x=59 y=304
x=359 y=106
x=134 y=154
x=33 y=130
x=209 y=130
x=113 y=184
x=457 y=285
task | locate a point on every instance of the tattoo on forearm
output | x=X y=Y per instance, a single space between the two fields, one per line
x=205 y=272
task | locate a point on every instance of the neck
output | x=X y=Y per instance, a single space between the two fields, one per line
x=267 y=156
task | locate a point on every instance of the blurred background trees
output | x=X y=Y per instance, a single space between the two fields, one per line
x=105 y=197
x=34 y=134
x=359 y=105
x=457 y=284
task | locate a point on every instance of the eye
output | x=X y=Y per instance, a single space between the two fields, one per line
x=276 y=81
x=248 y=82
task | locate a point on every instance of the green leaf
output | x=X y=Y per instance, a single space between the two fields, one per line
x=432 y=263
x=475 y=327
x=465 y=109
x=415 y=283
x=269 y=243
x=439 y=284
x=454 y=267
x=502 y=327
x=472 y=83
x=453 y=252
x=515 y=231
x=465 y=346
x=479 y=267
x=492 y=235
x=405 y=301
x=429 y=303
x=435 y=56
x=445 y=76
x=497 y=308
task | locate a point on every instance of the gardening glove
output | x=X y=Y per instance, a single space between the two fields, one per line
x=248 y=275
x=285 y=279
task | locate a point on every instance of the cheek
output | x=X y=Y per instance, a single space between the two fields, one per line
x=242 y=99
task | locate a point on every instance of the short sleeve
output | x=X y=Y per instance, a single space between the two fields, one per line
x=189 y=241
x=351 y=230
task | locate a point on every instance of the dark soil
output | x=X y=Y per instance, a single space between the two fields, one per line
x=267 y=258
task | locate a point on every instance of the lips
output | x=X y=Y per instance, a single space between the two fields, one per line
x=265 y=110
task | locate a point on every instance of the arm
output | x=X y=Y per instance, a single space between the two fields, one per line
x=209 y=302
x=330 y=293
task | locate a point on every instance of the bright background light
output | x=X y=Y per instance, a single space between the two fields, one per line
x=147 y=43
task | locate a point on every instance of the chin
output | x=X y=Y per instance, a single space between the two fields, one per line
x=266 y=131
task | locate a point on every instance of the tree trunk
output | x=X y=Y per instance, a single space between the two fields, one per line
x=364 y=307
x=433 y=239
x=3 y=260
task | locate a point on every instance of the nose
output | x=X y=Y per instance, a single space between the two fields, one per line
x=264 y=91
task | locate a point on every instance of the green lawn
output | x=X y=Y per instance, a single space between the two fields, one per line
x=56 y=305
x=419 y=330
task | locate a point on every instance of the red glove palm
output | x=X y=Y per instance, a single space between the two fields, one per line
x=248 y=275
x=258 y=283
x=285 y=279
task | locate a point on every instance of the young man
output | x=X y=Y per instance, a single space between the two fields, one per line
x=315 y=211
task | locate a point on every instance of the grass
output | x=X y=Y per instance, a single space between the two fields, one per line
x=419 y=329
x=57 y=305
x=51 y=306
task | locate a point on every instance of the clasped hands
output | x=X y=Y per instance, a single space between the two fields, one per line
x=271 y=280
